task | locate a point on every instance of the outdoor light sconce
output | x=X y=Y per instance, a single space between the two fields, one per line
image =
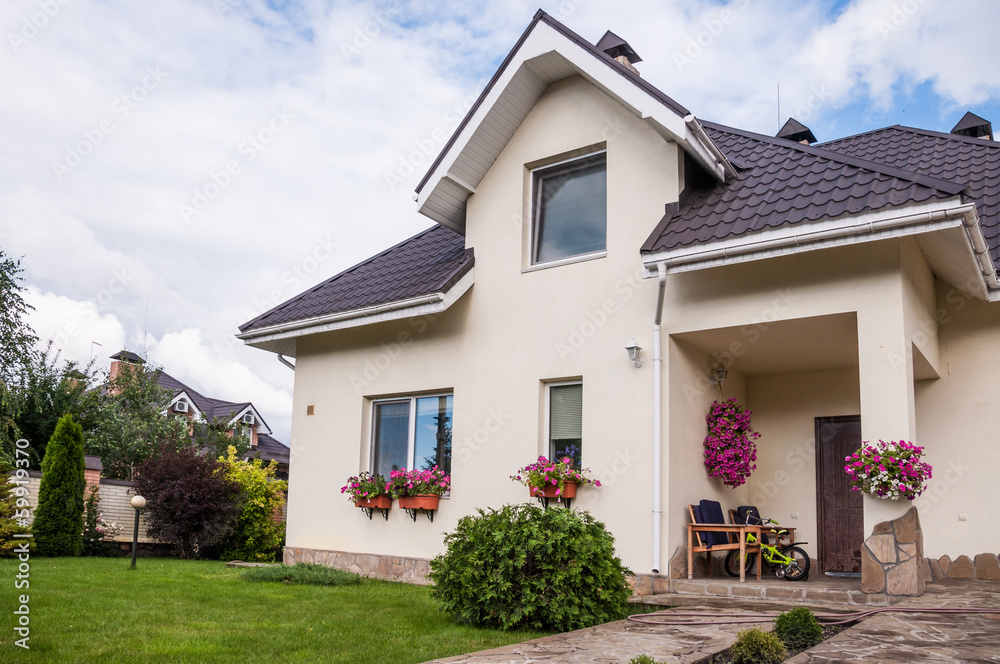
x=719 y=374
x=138 y=502
x=634 y=353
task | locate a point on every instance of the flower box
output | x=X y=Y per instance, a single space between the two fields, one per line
x=423 y=502
x=569 y=491
x=382 y=502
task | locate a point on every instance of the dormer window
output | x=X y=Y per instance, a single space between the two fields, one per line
x=570 y=209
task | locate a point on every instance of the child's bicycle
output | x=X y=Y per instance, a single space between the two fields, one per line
x=788 y=562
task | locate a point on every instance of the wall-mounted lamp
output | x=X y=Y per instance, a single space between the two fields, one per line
x=634 y=353
x=719 y=374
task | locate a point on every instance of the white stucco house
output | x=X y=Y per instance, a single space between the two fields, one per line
x=849 y=288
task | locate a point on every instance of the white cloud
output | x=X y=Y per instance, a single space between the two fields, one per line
x=77 y=330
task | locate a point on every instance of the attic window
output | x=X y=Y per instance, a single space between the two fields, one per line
x=570 y=209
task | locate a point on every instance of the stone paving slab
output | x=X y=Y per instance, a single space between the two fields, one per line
x=903 y=638
x=612 y=643
x=888 y=637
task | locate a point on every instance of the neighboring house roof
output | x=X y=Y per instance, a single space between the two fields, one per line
x=431 y=268
x=783 y=183
x=270 y=448
x=970 y=162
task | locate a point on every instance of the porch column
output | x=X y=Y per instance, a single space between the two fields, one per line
x=885 y=367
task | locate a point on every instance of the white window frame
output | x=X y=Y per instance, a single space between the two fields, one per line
x=411 y=431
x=534 y=204
x=547 y=443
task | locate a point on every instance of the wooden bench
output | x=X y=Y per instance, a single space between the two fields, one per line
x=696 y=545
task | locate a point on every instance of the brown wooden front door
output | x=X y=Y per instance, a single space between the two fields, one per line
x=840 y=511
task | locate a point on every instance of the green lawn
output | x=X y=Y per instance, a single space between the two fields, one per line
x=97 y=610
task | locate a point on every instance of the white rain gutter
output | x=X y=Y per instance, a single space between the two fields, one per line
x=720 y=159
x=968 y=214
x=658 y=418
x=433 y=298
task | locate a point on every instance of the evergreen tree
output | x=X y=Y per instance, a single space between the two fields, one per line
x=58 y=525
x=12 y=516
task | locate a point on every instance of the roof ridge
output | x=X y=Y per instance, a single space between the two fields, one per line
x=357 y=266
x=968 y=140
x=946 y=186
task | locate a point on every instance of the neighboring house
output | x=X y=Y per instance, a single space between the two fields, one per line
x=242 y=417
x=848 y=288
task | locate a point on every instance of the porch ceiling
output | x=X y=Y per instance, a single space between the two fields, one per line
x=790 y=346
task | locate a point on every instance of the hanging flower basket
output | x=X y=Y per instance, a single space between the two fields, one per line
x=730 y=450
x=890 y=470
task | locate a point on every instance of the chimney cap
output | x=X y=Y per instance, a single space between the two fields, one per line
x=972 y=125
x=793 y=130
x=128 y=356
x=615 y=46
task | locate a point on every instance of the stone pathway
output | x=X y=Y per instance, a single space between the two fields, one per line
x=889 y=637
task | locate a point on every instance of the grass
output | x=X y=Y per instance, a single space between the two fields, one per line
x=97 y=610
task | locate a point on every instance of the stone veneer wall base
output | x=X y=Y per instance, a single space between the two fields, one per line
x=391 y=568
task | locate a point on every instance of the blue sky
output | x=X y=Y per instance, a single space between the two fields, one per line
x=215 y=157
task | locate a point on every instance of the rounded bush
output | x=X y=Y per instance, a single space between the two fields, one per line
x=524 y=567
x=754 y=646
x=798 y=628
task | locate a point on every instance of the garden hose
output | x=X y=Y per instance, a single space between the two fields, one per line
x=756 y=618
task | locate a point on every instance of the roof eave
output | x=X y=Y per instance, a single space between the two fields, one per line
x=971 y=271
x=423 y=305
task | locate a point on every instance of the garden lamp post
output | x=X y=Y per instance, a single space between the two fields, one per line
x=138 y=502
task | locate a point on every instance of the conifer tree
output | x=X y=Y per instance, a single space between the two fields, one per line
x=58 y=525
x=11 y=514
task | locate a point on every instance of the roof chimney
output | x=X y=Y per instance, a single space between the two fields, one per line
x=618 y=48
x=793 y=130
x=123 y=357
x=974 y=126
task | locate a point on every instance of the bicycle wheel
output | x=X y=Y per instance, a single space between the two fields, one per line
x=733 y=562
x=798 y=569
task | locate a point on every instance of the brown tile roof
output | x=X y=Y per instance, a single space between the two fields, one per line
x=429 y=262
x=970 y=162
x=782 y=183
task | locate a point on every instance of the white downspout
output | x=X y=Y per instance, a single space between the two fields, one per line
x=661 y=269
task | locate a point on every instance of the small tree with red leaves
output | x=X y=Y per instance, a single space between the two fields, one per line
x=190 y=502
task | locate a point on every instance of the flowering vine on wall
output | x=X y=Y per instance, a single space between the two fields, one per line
x=730 y=451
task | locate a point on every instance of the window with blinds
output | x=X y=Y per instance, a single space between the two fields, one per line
x=566 y=421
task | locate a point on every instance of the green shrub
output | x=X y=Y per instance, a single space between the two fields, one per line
x=256 y=536
x=98 y=534
x=302 y=574
x=642 y=659
x=524 y=567
x=754 y=646
x=58 y=524
x=798 y=628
